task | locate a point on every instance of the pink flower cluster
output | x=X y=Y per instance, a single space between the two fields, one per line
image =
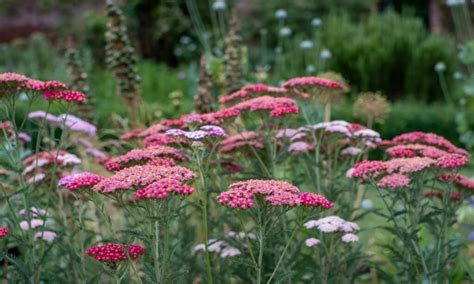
x=4 y=231
x=251 y=91
x=83 y=180
x=67 y=121
x=52 y=90
x=277 y=193
x=141 y=176
x=247 y=139
x=394 y=181
x=114 y=252
x=37 y=165
x=313 y=85
x=162 y=188
x=163 y=155
x=430 y=139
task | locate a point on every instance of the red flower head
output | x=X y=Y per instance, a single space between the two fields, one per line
x=114 y=252
x=4 y=231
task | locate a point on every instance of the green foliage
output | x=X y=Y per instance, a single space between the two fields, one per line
x=385 y=52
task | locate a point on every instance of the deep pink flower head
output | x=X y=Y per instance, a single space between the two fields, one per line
x=142 y=156
x=251 y=91
x=162 y=188
x=427 y=139
x=4 y=231
x=277 y=193
x=314 y=200
x=114 y=252
x=141 y=176
x=67 y=96
x=44 y=86
x=314 y=85
x=366 y=169
x=394 y=181
x=83 y=180
x=451 y=161
x=247 y=138
x=277 y=106
x=412 y=150
x=464 y=182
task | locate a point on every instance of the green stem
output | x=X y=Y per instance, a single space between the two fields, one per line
x=282 y=255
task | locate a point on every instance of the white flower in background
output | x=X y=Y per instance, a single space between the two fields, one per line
x=310 y=68
x=351 y=151
x=185 y=40
x=48 y=236
x=440 y=67
x=367 y=204
x=229 y=252
x=285 y=32
x=457 y=75
x=316 y=23
x=311 y=242
x=219 y=5
x=306 y=44
x=454 y=2
x=281 y=14
x=326 y=54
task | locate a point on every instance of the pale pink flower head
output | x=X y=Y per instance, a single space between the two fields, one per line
x=115 y=252
x=300 y=147
x=4 y=231
x=332 y=224
x=351 y=151
x=10 y=82
x=251 y=91
x=394 y=181
x=47 y=236
x=85 y=180
x=229 y=252
x=408 y=165
x=311 y=242
x=42 y=115
x=76 y=124
x=34 y=223
x=464 y=182
x=350 y=238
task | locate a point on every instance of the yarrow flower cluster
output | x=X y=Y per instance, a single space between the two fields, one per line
x=114 y=252
x=141 y=176
x=83 y=180
x=276 y=193
x=11 y=83
x=333 y=224
x=252 y=91
x=314 y=86
x=4 y=231
x=223 y=248
x=38 y=164
x=67 y=121
x=162 y=189
x=164 y=155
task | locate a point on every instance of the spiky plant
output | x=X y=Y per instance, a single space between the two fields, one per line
x=233 y=56
x=121 y=59
x=78 y=81
x=204 y=101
